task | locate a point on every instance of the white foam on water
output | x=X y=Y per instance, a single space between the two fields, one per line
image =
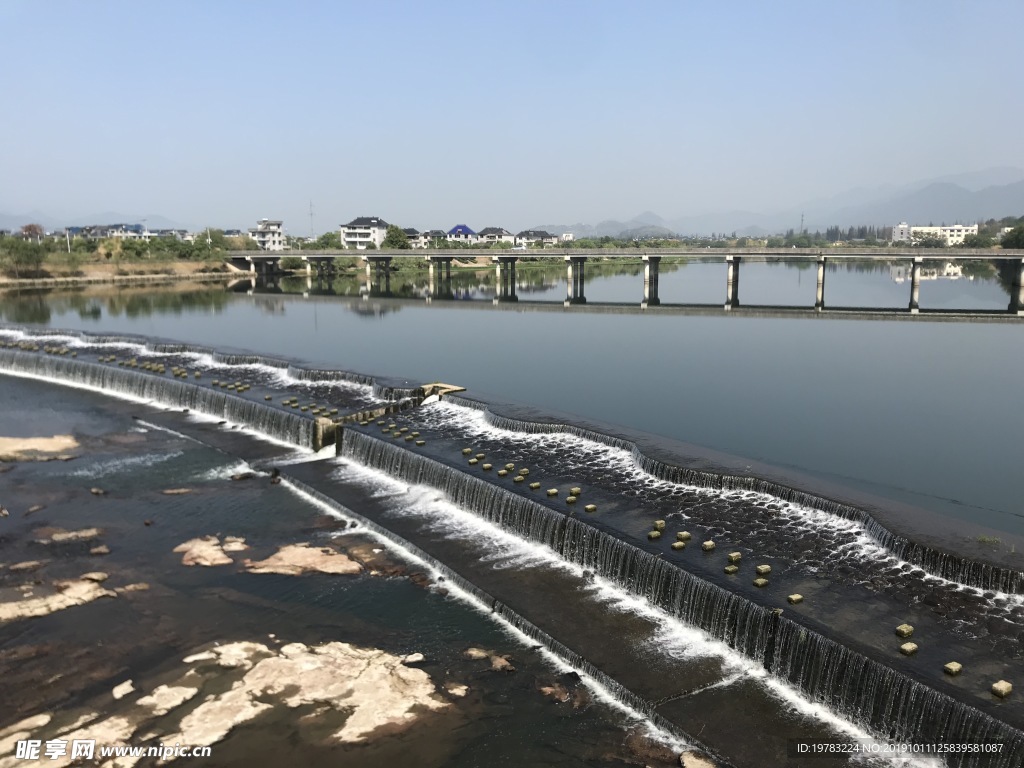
x=852 y=540
x=227 y=471
x=230 y=426
x=279 y=376
x=672 y=636
x=125 y=464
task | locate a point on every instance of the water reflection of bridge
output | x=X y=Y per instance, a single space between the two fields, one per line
x=378 y=304
x=440 y=284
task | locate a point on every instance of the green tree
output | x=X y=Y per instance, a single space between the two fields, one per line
x=930 y=241
x=23 y=258
x=977 y=241
x=395 y=239
x=1014 y=239
x=328 y=241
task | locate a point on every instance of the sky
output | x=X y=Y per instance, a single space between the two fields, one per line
x=509 y=114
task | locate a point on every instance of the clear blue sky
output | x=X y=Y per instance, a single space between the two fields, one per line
x=494 y=114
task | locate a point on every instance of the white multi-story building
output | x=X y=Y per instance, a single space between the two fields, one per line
x=953 y=234
x=900 y=233
x=492 y=235
x=362 y=231
x=536 y=238
x=416 y=238
x=269 y=235
x=460 y=233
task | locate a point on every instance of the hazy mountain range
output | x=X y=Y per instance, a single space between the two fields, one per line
x=966 y=197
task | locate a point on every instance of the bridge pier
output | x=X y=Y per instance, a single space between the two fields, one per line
x=915 y=285
x=439 y=283
x=819 y=296
x=574 y=280
x=732 y=282
x=651 y=265
x=1017 y=289
x=378 y=272
x=505 y=278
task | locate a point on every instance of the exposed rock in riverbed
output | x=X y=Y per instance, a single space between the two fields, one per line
x=66 y=595
x=499 y=662
x=60 y=536
x=35 y=448
x=206 y=552
x=296 y=559
x=28 y=565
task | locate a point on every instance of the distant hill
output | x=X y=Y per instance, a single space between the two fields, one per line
x=965 y=198
x=938 y=203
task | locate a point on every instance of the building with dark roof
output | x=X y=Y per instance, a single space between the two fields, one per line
x=416 y=238
x=537 y=238
x=363 y=231
x=491 y=235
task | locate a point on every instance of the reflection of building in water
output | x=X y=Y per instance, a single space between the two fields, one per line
x=948 y=271
x=376 y=309
x=272 y=306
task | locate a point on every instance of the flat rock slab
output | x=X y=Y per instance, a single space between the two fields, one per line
x=297 y=559
x=35 y=448
x=68 y=594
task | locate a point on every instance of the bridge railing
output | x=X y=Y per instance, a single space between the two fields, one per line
x=940 y=254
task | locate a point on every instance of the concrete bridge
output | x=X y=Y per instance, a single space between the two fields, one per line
x=439 y=262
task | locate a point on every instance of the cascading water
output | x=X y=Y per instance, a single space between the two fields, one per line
x=864 y=690
x=276 y=423
x=943 y=564
x=615 y=689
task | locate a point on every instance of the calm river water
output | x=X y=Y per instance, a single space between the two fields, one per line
x=923 y=412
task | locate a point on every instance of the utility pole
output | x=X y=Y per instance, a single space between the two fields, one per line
x=312 y=235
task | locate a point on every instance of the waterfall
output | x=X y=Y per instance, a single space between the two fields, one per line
x=870 y=693
x=382 y=390
x=274 y=422
x=944 y=564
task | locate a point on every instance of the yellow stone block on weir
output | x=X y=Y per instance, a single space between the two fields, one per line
x=908 y=649
x=1002 y=689
x=904 y=630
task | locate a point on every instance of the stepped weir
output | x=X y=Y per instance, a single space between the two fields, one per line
x=848 y=679
x=810 y=647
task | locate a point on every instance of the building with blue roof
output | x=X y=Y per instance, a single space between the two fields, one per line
x=460 y=233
